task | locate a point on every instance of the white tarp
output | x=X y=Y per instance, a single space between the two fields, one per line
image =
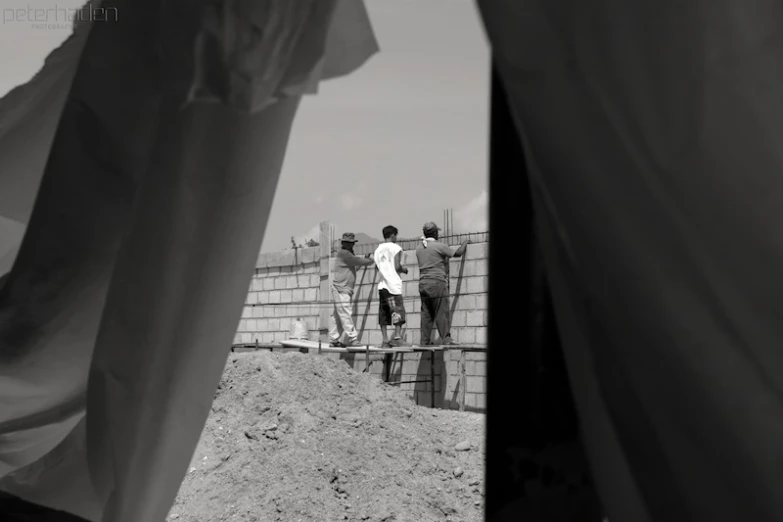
x=145 y=211
x=653 y=133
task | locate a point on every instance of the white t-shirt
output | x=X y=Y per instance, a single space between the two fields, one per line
x=384 y=261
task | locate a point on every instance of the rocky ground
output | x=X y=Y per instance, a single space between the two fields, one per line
x=304 y=438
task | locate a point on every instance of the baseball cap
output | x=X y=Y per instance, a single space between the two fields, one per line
x=430 y=226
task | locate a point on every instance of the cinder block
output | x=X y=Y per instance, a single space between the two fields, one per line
x=476 y=285
x=413 y=321
x=311 y=295
x=302 y=281
x=310 y=255
x=268 y=283
x=245 y=338
x=459 y=318
x=288 y=257
x=257 y=284
x=481 y=267
x=274 y=297
x=242 y=327
x=291 y=281
x=279 y=282
x=475 y=318
x=262 y=325
x=466 y=335
x=481 y=335
x=477 y=251
x=247 y=312
x=252 y=325
x=280 y=310
x=256 y=336
x=274 y=324
x=466 y=302
x=273 y=260
x=298 y=295
x=410 y=288
x=312 y=323
x=285 y=324
x=263 y=260
x=460 y=266
x=481 y=302
x=251 y=298
x=480 y=368
x=257 y=311
x=287 y=296
x=269 y=311
x=237 y=338
x=267 y=337
x=315 y=280
x=372 y=337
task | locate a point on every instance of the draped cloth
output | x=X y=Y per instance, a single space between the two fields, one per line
x=652 y=131
x=139 y=166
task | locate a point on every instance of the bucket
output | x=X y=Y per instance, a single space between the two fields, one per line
x=299 y=331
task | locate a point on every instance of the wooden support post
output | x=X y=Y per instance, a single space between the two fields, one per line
x=387 y=359
x=463 y=380
x=432 y=379
x=325 y=288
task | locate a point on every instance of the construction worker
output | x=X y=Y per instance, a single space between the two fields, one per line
x=342 y=331
x=433 y=258
x=391 y=308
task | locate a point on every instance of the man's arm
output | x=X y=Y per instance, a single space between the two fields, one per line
x=359 y=261
x=398 y=264
x=462 y=248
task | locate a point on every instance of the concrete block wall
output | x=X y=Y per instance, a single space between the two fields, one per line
x=468 y=300
x=284 y=287
x=288 y=285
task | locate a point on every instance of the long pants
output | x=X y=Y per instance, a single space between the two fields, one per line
x=341 y=321
x=434 y=308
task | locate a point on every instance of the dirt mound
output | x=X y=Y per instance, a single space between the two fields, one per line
x=295 y=437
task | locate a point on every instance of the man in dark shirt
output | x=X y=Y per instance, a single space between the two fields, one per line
x=343 y=280
x=433 y=257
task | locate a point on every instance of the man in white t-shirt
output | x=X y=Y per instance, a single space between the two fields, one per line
x=391 y=309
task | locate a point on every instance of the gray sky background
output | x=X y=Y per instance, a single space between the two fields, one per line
x=396 y=142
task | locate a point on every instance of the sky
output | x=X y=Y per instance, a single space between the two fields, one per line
x=396 y=142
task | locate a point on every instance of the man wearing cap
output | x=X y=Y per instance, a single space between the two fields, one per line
x=343 y=280
x=433 y=257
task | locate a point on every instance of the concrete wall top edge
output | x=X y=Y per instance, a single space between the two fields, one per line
x=303 y=256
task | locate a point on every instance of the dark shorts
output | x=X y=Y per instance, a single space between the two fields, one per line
x=388 y=306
